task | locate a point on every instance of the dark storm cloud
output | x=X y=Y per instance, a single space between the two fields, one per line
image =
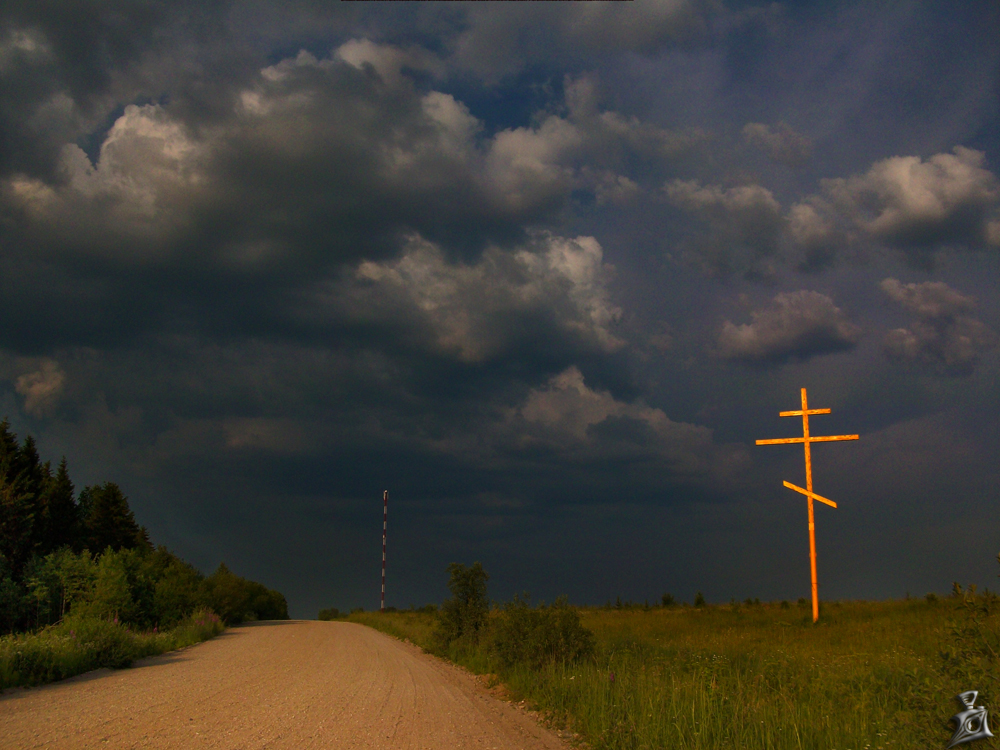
x=351 y=130
x=744 y=230
x=319 y=163
x=799 y=324
x=503 y=40
x=294 y=422
x=743 y=226
x=65 y=67
x=942 y=337
x=318 y=159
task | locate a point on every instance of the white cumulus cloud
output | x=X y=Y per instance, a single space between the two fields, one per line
x=553 y=290
x=41 y=387
x=568 y=416
x=909 y=202
x=941 y=337
x=796 y=324
x=781 y=144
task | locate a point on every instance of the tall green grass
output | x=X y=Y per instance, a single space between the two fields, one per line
x=78 y=645
x=416 y=627
x=869 y=675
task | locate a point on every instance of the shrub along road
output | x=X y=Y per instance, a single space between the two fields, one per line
x=279 y=684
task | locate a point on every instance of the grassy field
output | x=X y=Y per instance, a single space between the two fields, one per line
x=868 y=676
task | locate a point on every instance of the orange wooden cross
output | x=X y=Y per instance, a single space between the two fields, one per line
x=806 y=439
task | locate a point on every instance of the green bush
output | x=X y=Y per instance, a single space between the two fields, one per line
x=329 y=614
x=112 y=594
x=464 y=615
x=176 y=593
x=520 y=634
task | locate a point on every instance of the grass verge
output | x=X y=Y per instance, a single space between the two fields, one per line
x=868 y=676
x=78 y=645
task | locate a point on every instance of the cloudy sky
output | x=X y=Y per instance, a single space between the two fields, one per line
x=544 y=271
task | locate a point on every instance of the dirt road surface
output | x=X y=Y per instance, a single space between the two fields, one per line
x=284 y=684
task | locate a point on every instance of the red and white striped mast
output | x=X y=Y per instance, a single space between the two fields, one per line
x=385 y=524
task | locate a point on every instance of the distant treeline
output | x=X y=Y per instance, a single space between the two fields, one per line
x=62 y=553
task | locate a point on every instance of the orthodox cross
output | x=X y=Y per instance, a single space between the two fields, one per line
x=806 y=439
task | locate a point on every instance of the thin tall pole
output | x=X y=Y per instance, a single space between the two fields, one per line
x=385 y=525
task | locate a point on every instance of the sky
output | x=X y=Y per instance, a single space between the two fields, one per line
x=543 y=271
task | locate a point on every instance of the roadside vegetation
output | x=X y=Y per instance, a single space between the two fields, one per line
x=83 y=587
x=869 y=675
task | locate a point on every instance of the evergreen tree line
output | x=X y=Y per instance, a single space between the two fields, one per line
x=60 y=552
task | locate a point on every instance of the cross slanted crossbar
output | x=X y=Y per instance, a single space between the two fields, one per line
x=806 y=440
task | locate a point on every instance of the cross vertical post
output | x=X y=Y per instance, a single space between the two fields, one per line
x=385 y=524
x=809 y=501
x=806 y=440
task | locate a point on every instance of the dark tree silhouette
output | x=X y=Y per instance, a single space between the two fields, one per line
x=63 y=513
x=109 y=521
x=236 y=599
x=37 y=476
x=17 y=503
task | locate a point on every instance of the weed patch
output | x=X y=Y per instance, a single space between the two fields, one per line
x=80 y=644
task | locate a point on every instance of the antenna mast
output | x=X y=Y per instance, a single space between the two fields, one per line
x=385 y=524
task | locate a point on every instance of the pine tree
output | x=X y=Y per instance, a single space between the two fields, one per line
x=17 y=503
x=37 y=476
x=83 y=505
x=63 y=513
x=109 y=521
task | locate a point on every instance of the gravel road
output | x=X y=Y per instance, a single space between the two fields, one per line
x=284 y=684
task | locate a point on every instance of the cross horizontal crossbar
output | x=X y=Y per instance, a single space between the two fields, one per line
x=807 y=493
x=821 y=439
x=799 y=413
